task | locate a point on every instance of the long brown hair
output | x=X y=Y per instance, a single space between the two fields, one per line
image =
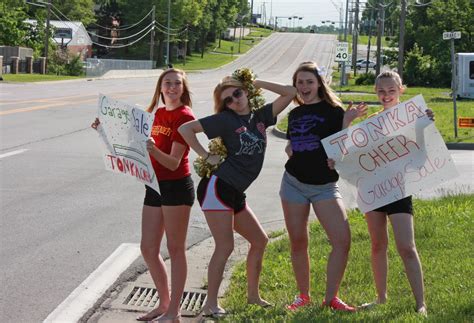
x=225 y=83
x=324 y=91
x=185 y=97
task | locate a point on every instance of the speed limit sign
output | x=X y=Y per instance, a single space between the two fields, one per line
x=342 y=52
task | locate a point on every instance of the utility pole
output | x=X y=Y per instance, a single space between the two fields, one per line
x=354 y=38
x=401 y=39
x=370 y=36
x=380 y=30
x=251 y=12
x=343 y=72
x=168 y=41
x=152 y=38
x=46 y=39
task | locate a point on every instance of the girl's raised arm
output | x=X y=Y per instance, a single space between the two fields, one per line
x=286 y=92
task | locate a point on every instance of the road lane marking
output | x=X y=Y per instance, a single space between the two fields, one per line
x=39 y=107
x=93 y=287
x=68 y=104
x=12 y=153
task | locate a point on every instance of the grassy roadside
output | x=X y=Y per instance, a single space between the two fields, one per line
x=444 y=242
x=364 y=40
x=223 y=52
x=37 y=77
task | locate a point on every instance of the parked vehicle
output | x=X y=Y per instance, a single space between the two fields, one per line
x=464 y=77
x=363 y=64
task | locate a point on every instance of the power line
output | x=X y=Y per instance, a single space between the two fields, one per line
x=122 y=38
x=122 y=46
x=126 y=26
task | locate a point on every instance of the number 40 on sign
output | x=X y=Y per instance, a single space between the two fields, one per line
x=342 y=52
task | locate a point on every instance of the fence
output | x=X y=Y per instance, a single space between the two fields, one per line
x=95 y=67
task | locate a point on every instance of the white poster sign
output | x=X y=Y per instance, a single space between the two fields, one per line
x=391 y=155
x=124 y=129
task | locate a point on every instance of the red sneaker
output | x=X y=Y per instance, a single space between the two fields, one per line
x=338 y=305
x=301 y=300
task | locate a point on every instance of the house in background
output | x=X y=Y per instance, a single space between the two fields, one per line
x=71 y=34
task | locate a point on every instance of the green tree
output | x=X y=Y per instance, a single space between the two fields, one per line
x=13 y=29
x=75 y=10
x=425 y=27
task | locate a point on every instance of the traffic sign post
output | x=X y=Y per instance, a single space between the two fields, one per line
x=452 y=35
x=342 y=56
x=342 y=52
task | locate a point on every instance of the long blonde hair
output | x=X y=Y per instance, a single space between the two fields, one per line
x=324 y=91
x=185 y=97
x=225 y=83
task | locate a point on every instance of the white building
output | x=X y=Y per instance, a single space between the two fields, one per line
x=71 y=34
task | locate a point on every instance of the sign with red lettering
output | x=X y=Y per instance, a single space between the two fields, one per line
x=391 y=155
x=124 y=130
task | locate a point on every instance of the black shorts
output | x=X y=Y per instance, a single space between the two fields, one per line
x=404 y=205
x=216 y=195
x=173 y=193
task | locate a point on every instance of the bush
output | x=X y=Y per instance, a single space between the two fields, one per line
x=63 y=63
x=424 y=70
x=74 y=66
x=365 y=79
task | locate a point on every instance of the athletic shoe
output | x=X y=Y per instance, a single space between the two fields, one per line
x=301 y=300
x=338 y=305
x=422 y=311
x=367 y=306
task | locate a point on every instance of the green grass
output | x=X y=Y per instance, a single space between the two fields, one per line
x=364 y=40
x=37 y=77
x=210 y=61
x=259 y=32
x=232 y=47
x=443 y=229
x=216 y=56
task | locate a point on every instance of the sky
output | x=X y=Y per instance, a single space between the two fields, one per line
x=312 y=11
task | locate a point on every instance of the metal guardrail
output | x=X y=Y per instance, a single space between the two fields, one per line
x=96 y=67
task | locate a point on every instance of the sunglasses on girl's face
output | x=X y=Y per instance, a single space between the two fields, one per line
x=236 y=94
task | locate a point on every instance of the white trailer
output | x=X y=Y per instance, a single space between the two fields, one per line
x=464 y=75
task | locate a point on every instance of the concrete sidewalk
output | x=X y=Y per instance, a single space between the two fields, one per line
x=116 y=306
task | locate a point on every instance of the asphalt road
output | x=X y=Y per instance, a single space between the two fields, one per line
x=62 y=214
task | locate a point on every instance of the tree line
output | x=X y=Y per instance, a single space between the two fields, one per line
x=198 y=22
x=427 y=60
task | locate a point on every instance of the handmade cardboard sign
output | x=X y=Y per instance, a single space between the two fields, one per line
x=391 y=155
x=124 y=129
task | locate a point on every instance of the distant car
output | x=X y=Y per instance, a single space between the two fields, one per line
x=363 y=64
x=311 y=31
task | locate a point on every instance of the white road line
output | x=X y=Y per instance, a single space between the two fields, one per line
x=94 y=286
x=11 y=153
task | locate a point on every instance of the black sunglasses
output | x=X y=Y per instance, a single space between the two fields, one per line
x=236 y=94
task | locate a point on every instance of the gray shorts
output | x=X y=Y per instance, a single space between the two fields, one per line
x=293 y=191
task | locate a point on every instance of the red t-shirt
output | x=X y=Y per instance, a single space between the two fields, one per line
x=164 y=132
